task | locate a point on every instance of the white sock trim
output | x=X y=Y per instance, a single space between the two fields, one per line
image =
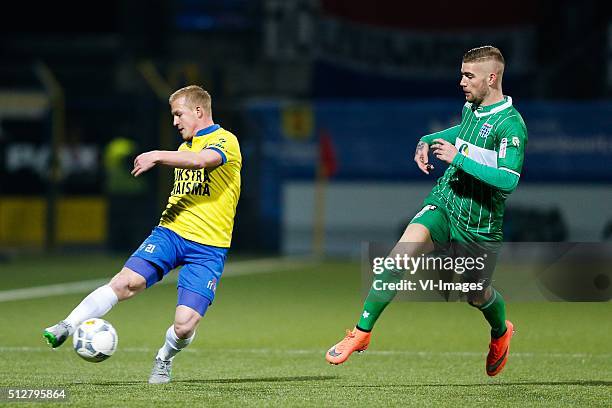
x=173 y=344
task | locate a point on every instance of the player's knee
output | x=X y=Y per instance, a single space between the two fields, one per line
x=475 y=303
x=119 y=284
x=185 y=323
x=476 y=300
x=126 y=284
x=416 y=239
x=184 y=330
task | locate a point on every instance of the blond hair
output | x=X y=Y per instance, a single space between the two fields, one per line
x=194 y=96
x=484 y=53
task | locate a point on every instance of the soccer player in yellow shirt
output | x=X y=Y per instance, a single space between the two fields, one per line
x=194 y=232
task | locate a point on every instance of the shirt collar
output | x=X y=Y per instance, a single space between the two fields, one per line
x=496 y=107
x=207 y=130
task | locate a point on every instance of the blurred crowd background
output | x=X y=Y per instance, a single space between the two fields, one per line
x=328 y=99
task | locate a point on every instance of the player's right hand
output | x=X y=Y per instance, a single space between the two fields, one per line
x=144 y=162
x=421 y=157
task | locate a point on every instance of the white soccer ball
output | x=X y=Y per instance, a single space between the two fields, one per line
x=95 y=340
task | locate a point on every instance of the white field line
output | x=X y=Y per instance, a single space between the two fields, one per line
x=409 y=353
x=232 y=269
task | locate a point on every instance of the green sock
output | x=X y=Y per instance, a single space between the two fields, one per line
x=495 y=313
x=378 y=300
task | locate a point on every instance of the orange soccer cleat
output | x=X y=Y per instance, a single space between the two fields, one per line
x=499 y=350
x=355 y=340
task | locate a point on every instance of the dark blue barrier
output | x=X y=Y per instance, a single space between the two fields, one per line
x=569 y=142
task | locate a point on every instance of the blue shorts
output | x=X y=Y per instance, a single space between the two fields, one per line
x=202 y=266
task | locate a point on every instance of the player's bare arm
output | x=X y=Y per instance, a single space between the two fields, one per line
x=421 y=157
x=444 y=150
x=207 y=158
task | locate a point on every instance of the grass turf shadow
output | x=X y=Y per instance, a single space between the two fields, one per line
x=586 y=383
x=223 y=380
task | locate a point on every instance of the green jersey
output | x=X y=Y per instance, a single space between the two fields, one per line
x=491 y=143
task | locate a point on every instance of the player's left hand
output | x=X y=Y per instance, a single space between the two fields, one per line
x=144 y=162
x=444 y=150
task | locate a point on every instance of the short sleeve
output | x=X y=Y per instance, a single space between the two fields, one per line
x=226 y=145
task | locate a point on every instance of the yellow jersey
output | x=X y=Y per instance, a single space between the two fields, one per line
x=202 y=204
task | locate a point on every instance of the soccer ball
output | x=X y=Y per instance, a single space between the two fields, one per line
x=95 y=340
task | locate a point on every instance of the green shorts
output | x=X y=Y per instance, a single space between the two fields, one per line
x=435 y=218
x=458 y=242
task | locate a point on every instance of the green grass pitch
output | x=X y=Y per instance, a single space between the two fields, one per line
x=263 y=342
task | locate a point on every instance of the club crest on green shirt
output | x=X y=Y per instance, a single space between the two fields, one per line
x=485 y=130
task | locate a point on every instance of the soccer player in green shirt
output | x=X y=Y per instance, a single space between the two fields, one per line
x=485 y=155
